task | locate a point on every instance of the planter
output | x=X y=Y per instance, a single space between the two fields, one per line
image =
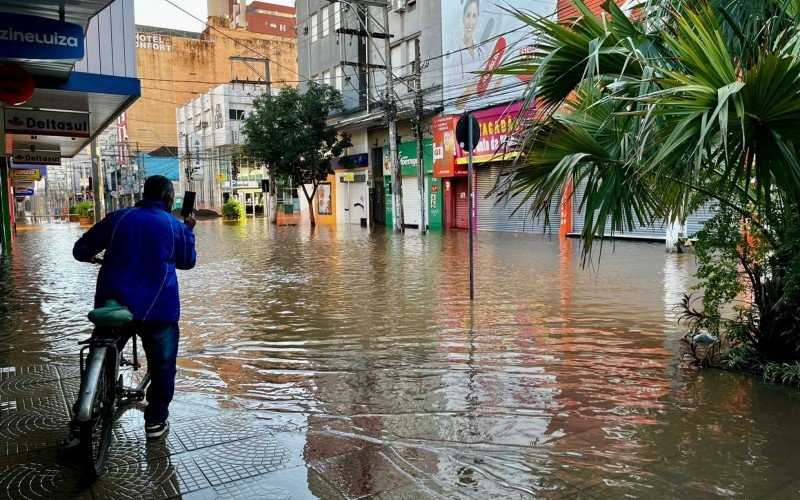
x=85 y=221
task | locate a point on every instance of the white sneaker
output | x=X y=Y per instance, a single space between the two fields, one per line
x=155 y=431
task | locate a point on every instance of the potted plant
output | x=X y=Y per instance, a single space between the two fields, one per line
x=84 y=211
x=233 y=209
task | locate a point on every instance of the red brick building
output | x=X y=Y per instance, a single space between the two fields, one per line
x=260 y=17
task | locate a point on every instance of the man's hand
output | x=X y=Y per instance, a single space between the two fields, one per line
x=190 y=221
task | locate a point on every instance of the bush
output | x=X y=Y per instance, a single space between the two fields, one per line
x=83 y=209
x=233 y=209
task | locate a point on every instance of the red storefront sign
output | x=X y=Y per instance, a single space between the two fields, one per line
x=497 y=126
x=16 y=84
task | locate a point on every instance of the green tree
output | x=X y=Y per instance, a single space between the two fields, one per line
x=691 y=101
x=290 y=132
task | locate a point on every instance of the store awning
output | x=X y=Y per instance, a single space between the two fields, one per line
x=82 y=97
x=103 y=97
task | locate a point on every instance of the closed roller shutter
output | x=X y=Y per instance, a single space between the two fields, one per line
x=696 y=220
x=501 y=217
x=461 y=204
x=655 y=231
x=410 y=201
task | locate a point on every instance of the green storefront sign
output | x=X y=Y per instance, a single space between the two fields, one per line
x=407 y=155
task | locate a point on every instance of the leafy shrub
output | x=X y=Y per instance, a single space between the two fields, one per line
x=233 y=209
x=83 y=209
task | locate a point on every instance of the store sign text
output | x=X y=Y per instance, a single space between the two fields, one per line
x=152 y=42
x=32 y=122
x=31 y=37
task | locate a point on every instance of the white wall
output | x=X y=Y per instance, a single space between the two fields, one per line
x=110 y=42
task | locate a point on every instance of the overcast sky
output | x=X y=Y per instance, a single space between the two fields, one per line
x=160 y=13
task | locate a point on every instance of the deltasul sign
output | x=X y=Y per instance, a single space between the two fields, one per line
x=31 y=37
x=50 y=123
x=36 y=157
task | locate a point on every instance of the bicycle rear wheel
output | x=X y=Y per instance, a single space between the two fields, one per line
x=96 y=433
x=133 y=382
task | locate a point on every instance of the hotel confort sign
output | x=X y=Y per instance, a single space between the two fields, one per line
x=37 y=122
x=31 y=37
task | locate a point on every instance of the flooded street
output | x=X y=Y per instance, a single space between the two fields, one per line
x=558 y=380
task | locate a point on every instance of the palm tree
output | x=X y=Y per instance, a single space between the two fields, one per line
x=687 y=102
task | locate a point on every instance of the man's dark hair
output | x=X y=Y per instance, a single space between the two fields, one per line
x=158 y=188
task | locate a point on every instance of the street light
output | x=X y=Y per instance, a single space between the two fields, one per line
x=163 y=143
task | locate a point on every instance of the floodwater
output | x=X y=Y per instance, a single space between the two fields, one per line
x=557 y=380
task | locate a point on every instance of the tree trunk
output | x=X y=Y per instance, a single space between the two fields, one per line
x=310 y=199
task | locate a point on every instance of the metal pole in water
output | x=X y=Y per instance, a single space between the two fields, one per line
x=471 y=200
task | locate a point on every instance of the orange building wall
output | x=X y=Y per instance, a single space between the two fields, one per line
x=566 y=11
x=326 y=219
x=184 y=68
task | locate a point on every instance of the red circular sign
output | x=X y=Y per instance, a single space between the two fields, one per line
x=16 y=84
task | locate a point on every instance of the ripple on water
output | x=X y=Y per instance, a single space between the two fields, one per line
x=554 y=376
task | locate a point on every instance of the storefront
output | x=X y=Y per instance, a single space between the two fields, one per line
x=58 y=96
x=492 y=213
x=351 y=188
x=414 y=204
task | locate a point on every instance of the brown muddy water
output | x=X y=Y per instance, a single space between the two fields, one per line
x=557 y=379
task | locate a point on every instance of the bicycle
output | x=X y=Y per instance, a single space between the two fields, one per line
x=102 y=389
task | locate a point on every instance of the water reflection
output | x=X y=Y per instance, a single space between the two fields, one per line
x=366 y=344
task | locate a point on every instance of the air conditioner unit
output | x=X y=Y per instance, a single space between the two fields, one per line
x=399 y=5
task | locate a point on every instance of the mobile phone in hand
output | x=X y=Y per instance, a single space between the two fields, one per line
x=188 y=203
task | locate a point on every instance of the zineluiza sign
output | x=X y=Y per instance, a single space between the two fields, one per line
x=30 y=37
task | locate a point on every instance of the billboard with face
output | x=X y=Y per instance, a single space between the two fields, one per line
x=477 y=35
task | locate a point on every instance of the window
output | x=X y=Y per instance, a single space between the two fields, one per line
x=397 y=57
x=411 y=55
x=236 y=114
x=326 y=77
x=337 y=16
x=326 y=21
x=314 y=27
x=338 y=78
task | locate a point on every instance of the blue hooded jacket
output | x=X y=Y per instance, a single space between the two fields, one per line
x=144 y=245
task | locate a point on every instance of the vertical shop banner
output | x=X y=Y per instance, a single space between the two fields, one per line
x=477 y=36
x=444 y=146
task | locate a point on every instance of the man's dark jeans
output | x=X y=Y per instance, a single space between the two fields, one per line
x=160 y=342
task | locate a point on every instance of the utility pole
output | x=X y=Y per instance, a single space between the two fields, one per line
x=273 y=189
x=423 y=228
x=398 y=219
x=97 y=185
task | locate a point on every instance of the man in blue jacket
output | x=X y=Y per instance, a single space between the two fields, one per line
x=143 y=247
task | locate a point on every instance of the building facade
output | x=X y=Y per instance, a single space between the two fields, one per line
x=437 y=51
x=343 y=44
x=210 y=128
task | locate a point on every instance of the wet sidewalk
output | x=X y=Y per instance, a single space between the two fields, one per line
x=208 y=453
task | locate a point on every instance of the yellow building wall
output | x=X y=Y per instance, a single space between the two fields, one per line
x=175 y=70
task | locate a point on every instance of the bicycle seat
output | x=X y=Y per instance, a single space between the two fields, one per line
x=112 y=315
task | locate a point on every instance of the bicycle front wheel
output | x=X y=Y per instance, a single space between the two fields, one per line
x=96 y=433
